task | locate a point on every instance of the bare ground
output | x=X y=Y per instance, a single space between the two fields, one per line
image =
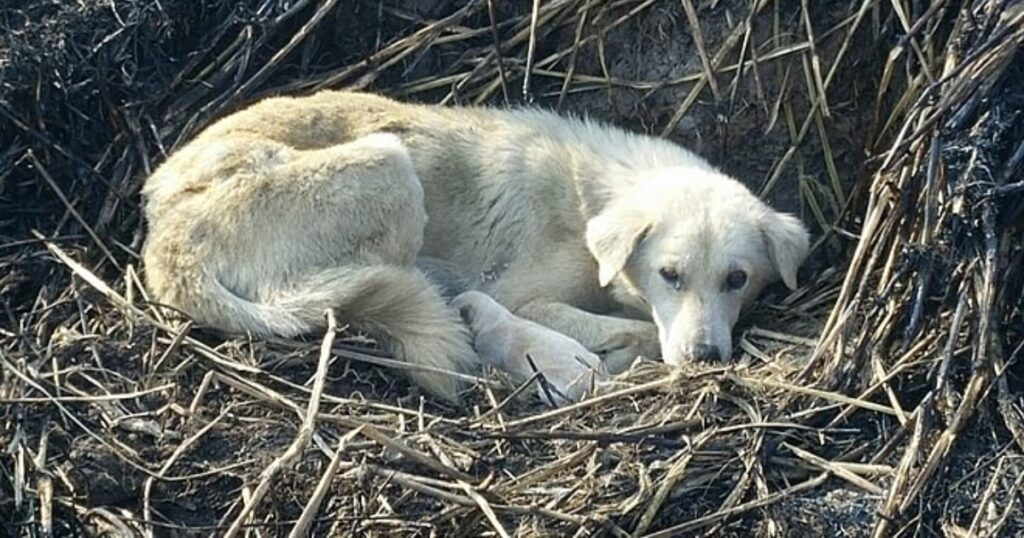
x=119 y=419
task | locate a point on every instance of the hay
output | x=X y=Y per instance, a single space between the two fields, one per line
x=880 y=398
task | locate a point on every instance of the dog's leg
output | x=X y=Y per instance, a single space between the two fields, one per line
x=618 y=341
x=379 y=290
x=522 y=348
x=398 y=304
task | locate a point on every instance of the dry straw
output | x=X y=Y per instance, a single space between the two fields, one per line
x=881 y=398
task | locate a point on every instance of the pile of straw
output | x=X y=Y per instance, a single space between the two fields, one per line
x=880 y=398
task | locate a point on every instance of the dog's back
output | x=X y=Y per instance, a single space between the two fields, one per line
x=247 y=234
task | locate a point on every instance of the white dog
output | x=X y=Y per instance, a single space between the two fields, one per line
x=295 y=205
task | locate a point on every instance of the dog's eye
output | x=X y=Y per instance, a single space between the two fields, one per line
x=670 y=275
x=736 y=280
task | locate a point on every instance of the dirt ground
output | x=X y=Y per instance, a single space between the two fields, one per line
x=94 y=93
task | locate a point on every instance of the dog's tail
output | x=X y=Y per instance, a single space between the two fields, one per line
x=396 y=303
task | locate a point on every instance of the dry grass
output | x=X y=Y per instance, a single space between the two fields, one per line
x=881 y=398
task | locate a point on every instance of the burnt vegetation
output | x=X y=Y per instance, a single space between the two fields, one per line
x=881 y=398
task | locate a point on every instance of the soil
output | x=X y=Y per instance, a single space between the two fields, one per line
x=70 y=79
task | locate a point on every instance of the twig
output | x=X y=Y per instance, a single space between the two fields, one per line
x=595 y=400
x=309 y=512
x=825 y=395
x=530 y=51
x=499 y=57
x=835 y=468
x=672 y=476
x=147 y=487
x=91 y=398
x=268 y=68
x=71 y=209
x=726 y=48
x=704 y=521
x=698 y=39
x=301 y=440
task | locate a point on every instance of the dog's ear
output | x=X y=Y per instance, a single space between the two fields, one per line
x=611 y=238
x=787 y=241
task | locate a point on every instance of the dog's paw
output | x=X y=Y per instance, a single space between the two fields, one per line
x=622 y=348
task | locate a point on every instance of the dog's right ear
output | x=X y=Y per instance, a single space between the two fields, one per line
x=611 y=238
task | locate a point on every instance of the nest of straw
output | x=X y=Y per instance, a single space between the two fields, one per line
x=882 y=398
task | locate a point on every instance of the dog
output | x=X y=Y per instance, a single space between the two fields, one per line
x=629 y=244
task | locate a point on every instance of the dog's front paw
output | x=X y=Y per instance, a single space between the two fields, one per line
x=621 y=349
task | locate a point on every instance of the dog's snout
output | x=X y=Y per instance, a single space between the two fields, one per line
x=705 y=352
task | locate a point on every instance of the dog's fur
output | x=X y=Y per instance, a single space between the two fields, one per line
x=295 y=205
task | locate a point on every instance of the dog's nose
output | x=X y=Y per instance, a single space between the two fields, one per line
x=704 y=352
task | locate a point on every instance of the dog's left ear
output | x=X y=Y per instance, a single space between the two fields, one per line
x=611 y=238
x=788 y=242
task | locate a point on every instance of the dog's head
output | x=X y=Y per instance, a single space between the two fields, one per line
x=693 y=247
